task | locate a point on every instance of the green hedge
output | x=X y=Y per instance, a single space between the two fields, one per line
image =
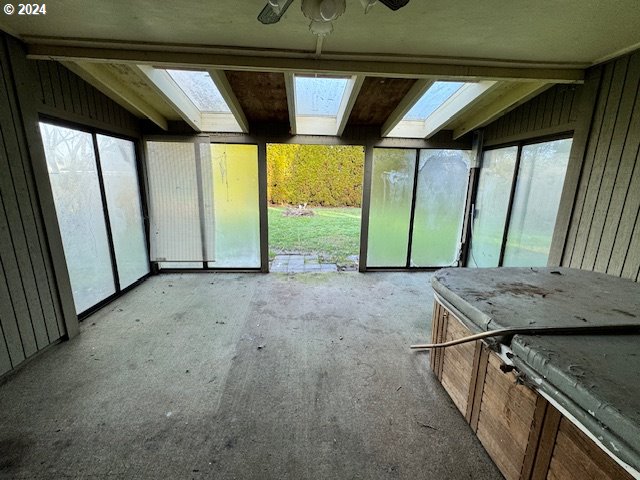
x=319 y=175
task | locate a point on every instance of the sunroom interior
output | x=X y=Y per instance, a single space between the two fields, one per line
x=141 y=331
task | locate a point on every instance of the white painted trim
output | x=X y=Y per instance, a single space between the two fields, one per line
x=168 y=89
x=409 y=100
x=222 y=84
x=455 y=106
x=348 y=101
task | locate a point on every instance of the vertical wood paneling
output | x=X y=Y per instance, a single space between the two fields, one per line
x=594 y=180
x=65 y=93
x=604 y=232
x=587 y=163
x=30 y=314
x=613 y=164
x=548 y=113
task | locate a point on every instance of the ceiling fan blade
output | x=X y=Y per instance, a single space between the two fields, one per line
x=268 y=16
x=394 y=4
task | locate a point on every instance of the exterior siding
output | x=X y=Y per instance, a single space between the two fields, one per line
x=553 y=111
x=604 y=231
x=30 y=315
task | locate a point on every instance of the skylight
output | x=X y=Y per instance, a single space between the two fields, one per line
x=319 y=96
x=437 y=94
x=425 y=116
x=201 y=90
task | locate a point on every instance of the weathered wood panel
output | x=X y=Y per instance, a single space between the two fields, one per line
x=377 y=99
x=553 y=111
x=457 y=364
x=262 y=95
x=29 y=312
x=576 y=456
x=505 y=420
x=65 y=95
x=604 y=232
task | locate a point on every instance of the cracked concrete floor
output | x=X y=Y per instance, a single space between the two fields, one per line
x=244 y=376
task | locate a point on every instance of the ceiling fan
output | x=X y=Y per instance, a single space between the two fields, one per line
x=320 y=12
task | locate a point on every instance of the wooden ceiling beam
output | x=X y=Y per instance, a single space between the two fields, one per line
x=512 y=98
x=169 y=90
x=348 y=101
x=456 y=106
x=409 y=100
x=226 y=59
x=222 y=84
x=100 y=77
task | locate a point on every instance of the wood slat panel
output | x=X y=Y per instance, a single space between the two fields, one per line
x=66 y=95
x=505 y=420
x=587 y=164
x=457 y=365
x=592 y=185
x=603 y=231
x=378 y=98
x=576 y=456
x=613 y=159
x=548 y=113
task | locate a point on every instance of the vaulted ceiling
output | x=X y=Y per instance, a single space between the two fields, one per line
x=516 y=48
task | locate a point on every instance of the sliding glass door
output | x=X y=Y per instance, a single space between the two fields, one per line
x=204 y=205
x=416 y=207
x=516 y=204
x=94 y=182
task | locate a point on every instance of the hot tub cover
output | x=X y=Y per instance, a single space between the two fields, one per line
x=596 y=378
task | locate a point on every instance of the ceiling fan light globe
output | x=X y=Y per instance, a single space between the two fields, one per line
x=328 y=10
x=321 y=28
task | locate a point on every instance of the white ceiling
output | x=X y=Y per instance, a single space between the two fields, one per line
x=572 y=33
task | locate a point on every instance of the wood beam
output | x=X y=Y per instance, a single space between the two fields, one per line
x=517 y=95
x=168 y=89
x=100 y=77
x=455 y=106
x=463 y=69
x=348 y=101
x=290 y=86
x=222 y=84
x=409 y=100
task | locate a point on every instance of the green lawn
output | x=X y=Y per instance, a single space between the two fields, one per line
x=332 y=233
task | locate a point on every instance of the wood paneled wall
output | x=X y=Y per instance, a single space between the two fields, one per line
x=36 y=303
x=30 y=315
x=63 y=94
x=603 y=231
x=553 y=111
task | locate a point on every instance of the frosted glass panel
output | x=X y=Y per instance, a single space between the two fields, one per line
x=76 y=192
x=201 y=90
x=319 y=96
x=437 y=94
x=236 y=205
x=535 y=204
x=390 y=208
x=176 y=185
x=120 y=178
x=440 y=200
x=492 y=201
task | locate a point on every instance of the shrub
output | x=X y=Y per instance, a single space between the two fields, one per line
x=319 y=175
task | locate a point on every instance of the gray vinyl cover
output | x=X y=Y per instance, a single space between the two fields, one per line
x=596 y=378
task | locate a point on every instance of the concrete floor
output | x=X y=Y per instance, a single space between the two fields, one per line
x=243 y=376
